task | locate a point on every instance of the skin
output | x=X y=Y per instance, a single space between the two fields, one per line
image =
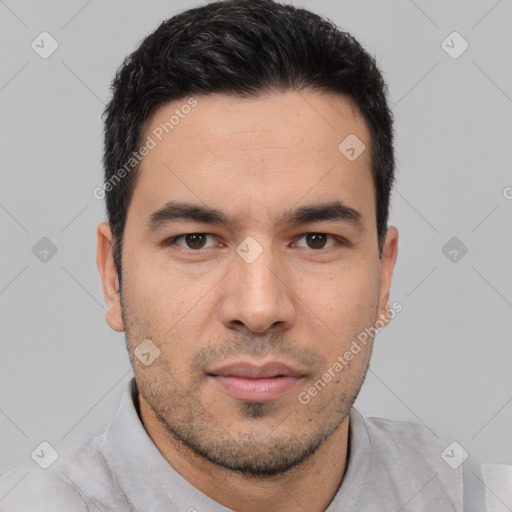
x=296 y=303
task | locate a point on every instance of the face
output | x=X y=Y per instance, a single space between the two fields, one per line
x=250 y=261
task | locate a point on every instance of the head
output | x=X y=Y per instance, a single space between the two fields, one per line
x=248 y=170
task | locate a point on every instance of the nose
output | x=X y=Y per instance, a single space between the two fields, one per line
x=258 y=296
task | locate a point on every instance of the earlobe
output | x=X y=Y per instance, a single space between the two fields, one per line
x=109 y=278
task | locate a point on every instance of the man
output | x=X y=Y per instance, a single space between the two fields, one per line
x=247 y=257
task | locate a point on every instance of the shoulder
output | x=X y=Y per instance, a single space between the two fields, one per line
x=411 y=458
x=56 y=478
x=25 y=489
x=404 y=436
x=408 y=445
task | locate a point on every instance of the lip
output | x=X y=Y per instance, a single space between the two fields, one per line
x=248 y=370
x=260 y=383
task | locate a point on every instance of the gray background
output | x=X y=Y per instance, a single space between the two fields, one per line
x=444 y=360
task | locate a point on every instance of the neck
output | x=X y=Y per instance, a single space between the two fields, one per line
x=309 y=486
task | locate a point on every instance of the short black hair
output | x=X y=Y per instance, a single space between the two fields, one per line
x=245 y=48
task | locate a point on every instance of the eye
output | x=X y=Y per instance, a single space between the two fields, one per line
x=197 y=241
x=193 y=241
x=318 y=241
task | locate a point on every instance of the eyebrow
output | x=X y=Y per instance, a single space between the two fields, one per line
x=336 y=211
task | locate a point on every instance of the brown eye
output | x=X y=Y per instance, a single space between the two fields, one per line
x=195 y=240
x=317 y=241
x=191 y=241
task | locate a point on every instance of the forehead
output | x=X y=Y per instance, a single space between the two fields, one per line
x=256 y=155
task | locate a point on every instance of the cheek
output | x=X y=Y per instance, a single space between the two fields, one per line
x=350 y=295
x=159 y=293
x=167 y=307
x=346 y=305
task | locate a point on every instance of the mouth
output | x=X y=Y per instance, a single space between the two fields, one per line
x=250 y=382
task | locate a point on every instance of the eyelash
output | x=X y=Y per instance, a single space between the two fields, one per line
x=338 y=241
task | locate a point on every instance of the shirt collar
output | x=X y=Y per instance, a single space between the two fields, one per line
x=357 y=467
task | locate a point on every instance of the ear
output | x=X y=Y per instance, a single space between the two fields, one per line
x=387 y=265
x=109 y=278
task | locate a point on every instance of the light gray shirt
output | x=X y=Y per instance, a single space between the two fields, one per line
x=392 y=466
